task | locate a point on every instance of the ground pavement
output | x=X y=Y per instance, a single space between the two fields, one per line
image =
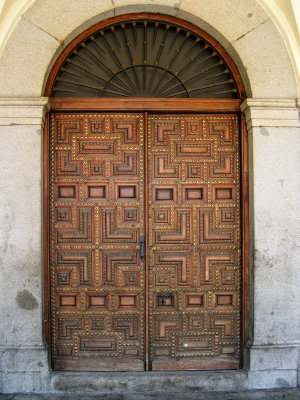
x=275 y=394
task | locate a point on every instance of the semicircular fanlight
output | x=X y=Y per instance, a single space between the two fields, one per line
x=144 y=59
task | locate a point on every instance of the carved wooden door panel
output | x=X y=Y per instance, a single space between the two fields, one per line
x=194 y=242
x=111 y=309
x=96 y=220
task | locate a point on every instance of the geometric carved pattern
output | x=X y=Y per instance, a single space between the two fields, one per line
x=97 y=218
x=194 y=239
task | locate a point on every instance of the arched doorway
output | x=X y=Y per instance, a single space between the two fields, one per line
x=146 y=225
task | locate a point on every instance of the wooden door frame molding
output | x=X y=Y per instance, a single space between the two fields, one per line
x=159 y=105
x=154 y=105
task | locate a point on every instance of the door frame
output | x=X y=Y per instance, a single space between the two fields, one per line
x=157 y=105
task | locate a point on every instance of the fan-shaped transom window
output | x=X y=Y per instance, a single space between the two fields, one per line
x=145 y=57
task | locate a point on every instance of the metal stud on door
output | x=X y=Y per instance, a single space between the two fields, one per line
x=97 y=220
x=120 y=292
x=194 y=241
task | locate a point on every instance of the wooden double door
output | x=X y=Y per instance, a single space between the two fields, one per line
x=145 y=249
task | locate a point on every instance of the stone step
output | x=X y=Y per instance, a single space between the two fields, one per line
x=122 y=382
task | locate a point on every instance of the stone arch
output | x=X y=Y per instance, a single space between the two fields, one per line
x=242 y=27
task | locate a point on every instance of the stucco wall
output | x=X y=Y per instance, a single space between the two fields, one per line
x=274 y=135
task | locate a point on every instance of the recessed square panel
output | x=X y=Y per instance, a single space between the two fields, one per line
x=228 y=277
x=131 y=278
x=126 y=301
x=194 y=128
x=194 y=171
x=131 y=352
x=227 y=215
x=161 y=216
x=63 y=214
x=130 y=215
x=97 y=301
x=64 y=350
x=193 y=193
x=96 y=192
x=162 y=352
x=67 y=192
x=227 y=349
x=194 y=300
x=127 y=192
x=162 y=278
x=224 y=299
x=165 y=300
x=224 y=193
x=96 y=168
x=63 y=278
x=68 y=300
x=196 y=322
x=98 y=323
x=164 y=194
